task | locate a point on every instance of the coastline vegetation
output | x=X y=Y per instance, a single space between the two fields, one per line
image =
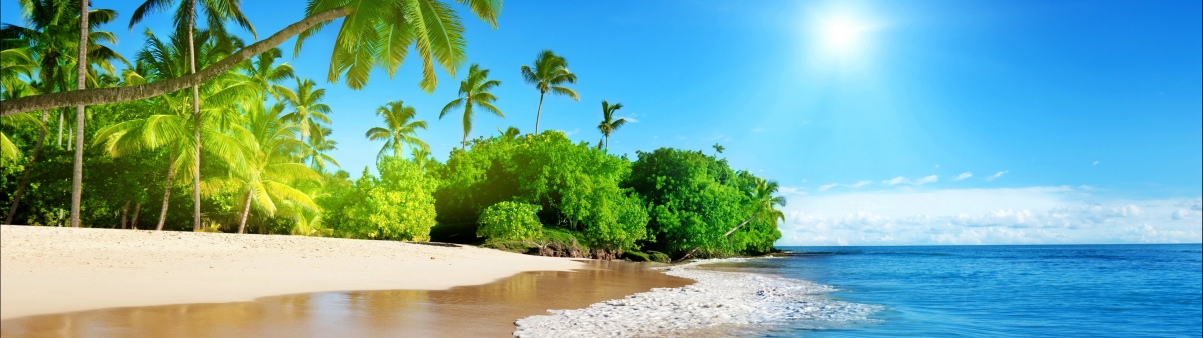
x=255 y=156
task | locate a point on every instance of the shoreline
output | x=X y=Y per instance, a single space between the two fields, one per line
x=49 y=270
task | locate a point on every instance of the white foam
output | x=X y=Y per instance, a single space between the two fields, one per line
x=717 y=299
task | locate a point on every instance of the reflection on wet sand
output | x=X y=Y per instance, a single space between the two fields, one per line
x=487 y=310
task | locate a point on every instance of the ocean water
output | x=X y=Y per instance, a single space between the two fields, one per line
x=1004 y=291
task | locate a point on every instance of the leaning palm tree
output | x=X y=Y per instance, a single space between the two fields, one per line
x=399 y=129
x=308 y=110
x=609 y=124
x=373 y=34
x=474 y=91
x=764 y=204
x=217 y=12
x=272 y=168
x=548 y=75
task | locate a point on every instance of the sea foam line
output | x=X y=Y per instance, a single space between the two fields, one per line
x=717 y=299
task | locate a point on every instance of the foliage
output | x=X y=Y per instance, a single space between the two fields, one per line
x=474 y=92
x=576 y=186
x=399 y=129
x=695 y=200
x=399 y=205
x=510 y=221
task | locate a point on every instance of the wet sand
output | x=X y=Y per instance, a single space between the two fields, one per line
x=487 y=310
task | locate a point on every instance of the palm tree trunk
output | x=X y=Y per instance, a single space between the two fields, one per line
x=37 y=151
x=196 y=219
x=539 y=113
x=59 y=142
x=124 y=213
x=607 y=143
x=246 y=209
x=129 y=93
x=133 y=224
x=81 y=67
x=724 y=235
x=166 y=193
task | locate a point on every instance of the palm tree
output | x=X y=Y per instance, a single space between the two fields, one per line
x=272 y=165
x=264 y=73
x=57 y=31
x=764 y=203
x=316 y=149
x=308 y=109
x=550 y=72
x=609 y=124
x=170 y=125
x=399 y=129
x=718 y=149
x=373 y=34
x=474 y=91
x=217 y=13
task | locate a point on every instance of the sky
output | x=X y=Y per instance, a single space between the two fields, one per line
x=885 y=122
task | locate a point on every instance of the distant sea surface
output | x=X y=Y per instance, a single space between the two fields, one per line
x=1004 y=291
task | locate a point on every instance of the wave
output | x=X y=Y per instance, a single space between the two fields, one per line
x=719 y=300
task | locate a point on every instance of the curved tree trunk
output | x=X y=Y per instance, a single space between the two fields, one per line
x=133 y=224
x=246 y=209
x=539 y=113
x=196 y=219
x=166 y=194
x=37 y=150
x=129 y=93
x=81 y=68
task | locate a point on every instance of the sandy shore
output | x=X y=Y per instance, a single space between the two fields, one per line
x=51 y=270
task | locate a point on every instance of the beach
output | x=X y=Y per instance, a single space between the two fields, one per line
x=46 y=270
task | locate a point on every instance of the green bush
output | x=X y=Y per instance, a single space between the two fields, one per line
x=510 y=221
x=636 y=256
x=398 y=206
x=656 y=256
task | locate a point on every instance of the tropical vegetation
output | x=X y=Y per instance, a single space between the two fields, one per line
x=265 y=136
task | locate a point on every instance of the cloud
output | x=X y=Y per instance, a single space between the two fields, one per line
x=999 y=174
x=571 y=132
x=630 y=119
x=1032 y=215
x=858 y=184
x=928 y=179
x=963 y=175
x=903 y=180
x=1095 y=163
x=894 y=181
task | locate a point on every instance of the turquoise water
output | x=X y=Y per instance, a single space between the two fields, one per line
x=1006 y=291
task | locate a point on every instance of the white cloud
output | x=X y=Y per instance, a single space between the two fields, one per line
x=1095 y=163
x=928 y=179
x=858 y=184
x=999 y=174
x=894 y=181
x=902 y=180
x=963 y=176
x=630 y=119
x=1031 y=215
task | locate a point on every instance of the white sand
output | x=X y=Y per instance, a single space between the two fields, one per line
x=51 y=270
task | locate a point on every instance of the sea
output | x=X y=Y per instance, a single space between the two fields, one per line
x=1002 y=291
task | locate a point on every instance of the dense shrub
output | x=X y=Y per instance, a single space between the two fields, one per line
x=576 y=185
x=399 y=205
x=510 y=221
x=695 y=199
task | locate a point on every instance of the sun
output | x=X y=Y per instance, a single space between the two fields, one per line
x=842 y=35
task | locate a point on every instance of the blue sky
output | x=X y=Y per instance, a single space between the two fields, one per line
x=1085 y=115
